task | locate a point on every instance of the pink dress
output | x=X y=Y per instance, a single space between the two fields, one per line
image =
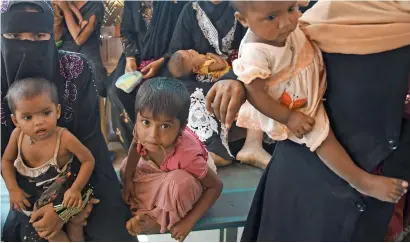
x=295 y=77
x=167 y=193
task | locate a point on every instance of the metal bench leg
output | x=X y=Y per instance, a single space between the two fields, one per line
x=228 y=235
x=231 y=234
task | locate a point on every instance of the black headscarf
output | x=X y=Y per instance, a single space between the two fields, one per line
x=24 y=58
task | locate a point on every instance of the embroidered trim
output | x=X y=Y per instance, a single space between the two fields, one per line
x=224 y=139
x=3 y=115
x=70 y=95
x=4 y=6
x=200 y=121
x=211 y=34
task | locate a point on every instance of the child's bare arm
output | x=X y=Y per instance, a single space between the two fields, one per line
x=74 y=146
x=213 y=188
x=18 y=197
x=7 y=161
x=76 y=12
x=132 y=161
x=258 y=96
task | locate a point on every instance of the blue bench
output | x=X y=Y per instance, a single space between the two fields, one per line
x=229 y=212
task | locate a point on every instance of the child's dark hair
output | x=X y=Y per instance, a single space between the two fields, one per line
x=164 y=96
x=240 y=6
x=176 y=65
x=29 y=88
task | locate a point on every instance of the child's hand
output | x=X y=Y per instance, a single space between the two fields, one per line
x=72 y=198
x=128 y=193
x=299 y=123
x=18 y=200
x=181 y=230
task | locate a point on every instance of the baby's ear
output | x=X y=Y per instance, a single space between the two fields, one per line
x=241 y=19
x=14 y=120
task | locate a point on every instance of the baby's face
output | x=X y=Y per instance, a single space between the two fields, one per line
x=37 y=117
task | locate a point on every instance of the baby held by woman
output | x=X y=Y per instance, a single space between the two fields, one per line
x=285 y=81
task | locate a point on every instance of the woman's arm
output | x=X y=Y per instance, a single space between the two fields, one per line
x=213 y=188
x=74 y=146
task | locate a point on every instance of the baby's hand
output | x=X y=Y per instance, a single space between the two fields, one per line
x=181 y=230
x=18 y=200
x=299 y=123
x=72 y=198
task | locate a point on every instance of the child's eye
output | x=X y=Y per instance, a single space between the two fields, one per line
x=165 y=126
x=145 y=122
x=272 y=17
x=27 y=118
x=47 y=113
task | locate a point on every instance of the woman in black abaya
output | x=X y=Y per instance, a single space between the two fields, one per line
x=28 y=50
x=207 y=27
x=146 y=30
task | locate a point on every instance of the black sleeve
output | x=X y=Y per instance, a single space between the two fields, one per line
x=182 y=37
x=128 y=34
x=229 y=75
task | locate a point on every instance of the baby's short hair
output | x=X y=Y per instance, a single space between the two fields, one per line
x=29 y=88
x=163 y=95
x=176 y=64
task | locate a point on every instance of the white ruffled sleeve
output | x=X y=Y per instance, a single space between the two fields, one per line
x=253 y=62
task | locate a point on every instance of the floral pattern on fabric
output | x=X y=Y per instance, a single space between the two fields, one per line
x=71 y=66
x=3 y=116
x=4 y=5
x=70 y=95
x=200 y=121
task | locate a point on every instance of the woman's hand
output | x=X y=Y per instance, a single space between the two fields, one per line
x=46 y=221
x=151 y=70
x=224 y=99
x=130 y=65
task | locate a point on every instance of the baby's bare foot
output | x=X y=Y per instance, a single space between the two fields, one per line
x=383 y=188
x=254 y=155
x=147 y=224
x=133 y=226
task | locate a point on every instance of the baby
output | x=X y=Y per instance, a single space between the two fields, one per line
x=41 y=154
x=186 y=62
x=285 y=80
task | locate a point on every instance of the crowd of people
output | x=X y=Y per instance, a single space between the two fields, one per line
x=330 y=87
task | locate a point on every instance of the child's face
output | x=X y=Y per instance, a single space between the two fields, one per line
x=154 y=133
x=37 y=117
x=192 y=58
x=272 y=21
